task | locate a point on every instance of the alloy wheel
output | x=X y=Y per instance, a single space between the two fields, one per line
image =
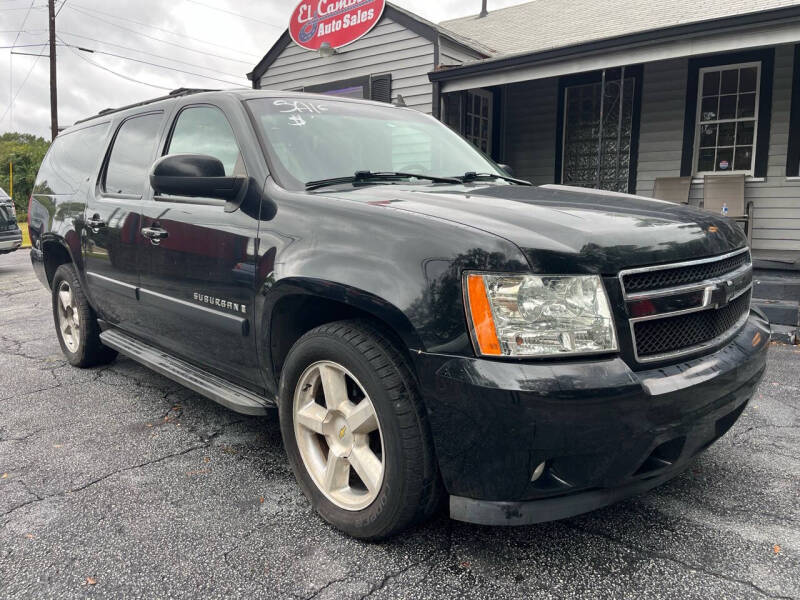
x=68 y=317
x=338 y=435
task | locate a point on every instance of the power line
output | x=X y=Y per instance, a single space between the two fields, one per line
x=19 y=89
x=29 y=53
x=25 y=20
x=117 y=73
x=144 y=62
x=236 y=14
x=32 y=6
x=91 y=13
x=11 y=65
x=21 y=46
x=84 y=37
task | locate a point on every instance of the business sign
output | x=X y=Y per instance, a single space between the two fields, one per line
x=338 y=22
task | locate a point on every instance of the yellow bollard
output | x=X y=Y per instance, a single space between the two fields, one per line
x=26 y=239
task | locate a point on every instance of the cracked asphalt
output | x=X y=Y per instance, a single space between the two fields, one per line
x=116 y=482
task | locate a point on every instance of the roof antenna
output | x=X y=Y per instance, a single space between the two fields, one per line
x=484 y=12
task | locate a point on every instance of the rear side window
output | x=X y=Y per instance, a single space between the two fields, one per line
x=132 y=155
x=72 y=160
x=205 y=130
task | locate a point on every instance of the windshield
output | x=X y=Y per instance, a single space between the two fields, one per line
x=312 y=140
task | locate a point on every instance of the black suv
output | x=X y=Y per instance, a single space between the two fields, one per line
x=10 y=234
x=427 y=325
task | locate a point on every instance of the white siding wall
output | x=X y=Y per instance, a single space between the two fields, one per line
x=388 y=48
x=776 y=199
x=453 y=54
x=530 y=129
x=661 y=129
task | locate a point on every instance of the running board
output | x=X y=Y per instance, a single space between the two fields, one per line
x=211 y=386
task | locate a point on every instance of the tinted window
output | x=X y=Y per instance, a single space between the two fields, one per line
x=132 y=155
x=205 y=130
x=72 y=160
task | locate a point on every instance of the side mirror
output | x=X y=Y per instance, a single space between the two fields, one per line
x=507 y=169
x=195 y=175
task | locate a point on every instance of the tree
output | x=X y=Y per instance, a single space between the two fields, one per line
x=25 y=151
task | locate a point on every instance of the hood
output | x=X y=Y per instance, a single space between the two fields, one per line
x=568 y=230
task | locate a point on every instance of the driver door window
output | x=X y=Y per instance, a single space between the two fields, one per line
x=205 y=130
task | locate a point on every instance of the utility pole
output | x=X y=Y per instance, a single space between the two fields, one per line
x=51 y=8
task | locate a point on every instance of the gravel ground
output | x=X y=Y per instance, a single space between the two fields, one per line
x=116 y=482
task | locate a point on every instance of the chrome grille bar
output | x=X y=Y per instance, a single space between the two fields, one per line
x=719 y=292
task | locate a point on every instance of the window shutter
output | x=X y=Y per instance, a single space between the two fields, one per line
x=793 y=153
x=452 y=110
x=381 y=88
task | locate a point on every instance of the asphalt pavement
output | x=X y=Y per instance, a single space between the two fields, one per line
x=117 y=483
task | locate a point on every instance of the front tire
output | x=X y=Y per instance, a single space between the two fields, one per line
x=355 y=431
x=76 y=322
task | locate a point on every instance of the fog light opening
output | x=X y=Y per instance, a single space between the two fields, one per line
x=537 y=472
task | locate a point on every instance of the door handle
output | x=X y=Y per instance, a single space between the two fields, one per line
x=155 y=234
x=95 y=223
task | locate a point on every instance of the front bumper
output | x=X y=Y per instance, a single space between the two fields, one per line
x=10 y=240
x=603 y=431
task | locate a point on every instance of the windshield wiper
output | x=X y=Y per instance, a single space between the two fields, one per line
x=473 y=176
x=364 y=176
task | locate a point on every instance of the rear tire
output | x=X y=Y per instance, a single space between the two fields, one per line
x=76 y=322
x=405 y=485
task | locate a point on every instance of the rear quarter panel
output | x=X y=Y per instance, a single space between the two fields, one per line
x=60 y=194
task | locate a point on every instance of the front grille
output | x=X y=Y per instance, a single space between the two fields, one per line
x=677 y=276
x=671 y=334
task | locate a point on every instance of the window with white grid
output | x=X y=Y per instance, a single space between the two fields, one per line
x=727 y=119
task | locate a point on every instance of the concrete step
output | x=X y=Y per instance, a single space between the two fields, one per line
x=784 y=334
x=780 y=312
x=775 y=285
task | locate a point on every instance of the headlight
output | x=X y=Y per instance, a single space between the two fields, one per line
x=532 y=315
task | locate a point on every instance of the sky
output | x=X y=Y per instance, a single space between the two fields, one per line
x=214 y=42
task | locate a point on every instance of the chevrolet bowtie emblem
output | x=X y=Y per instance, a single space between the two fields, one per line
x=721 y=294
x=342 y=432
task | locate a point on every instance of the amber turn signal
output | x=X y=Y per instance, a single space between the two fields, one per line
x=480 y=312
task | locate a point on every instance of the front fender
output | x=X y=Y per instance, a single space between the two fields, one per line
x=403 y=268
x=348 y=295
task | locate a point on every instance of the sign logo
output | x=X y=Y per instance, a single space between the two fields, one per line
x=338 y=22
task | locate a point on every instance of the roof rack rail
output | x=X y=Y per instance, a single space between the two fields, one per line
x=172 y=94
